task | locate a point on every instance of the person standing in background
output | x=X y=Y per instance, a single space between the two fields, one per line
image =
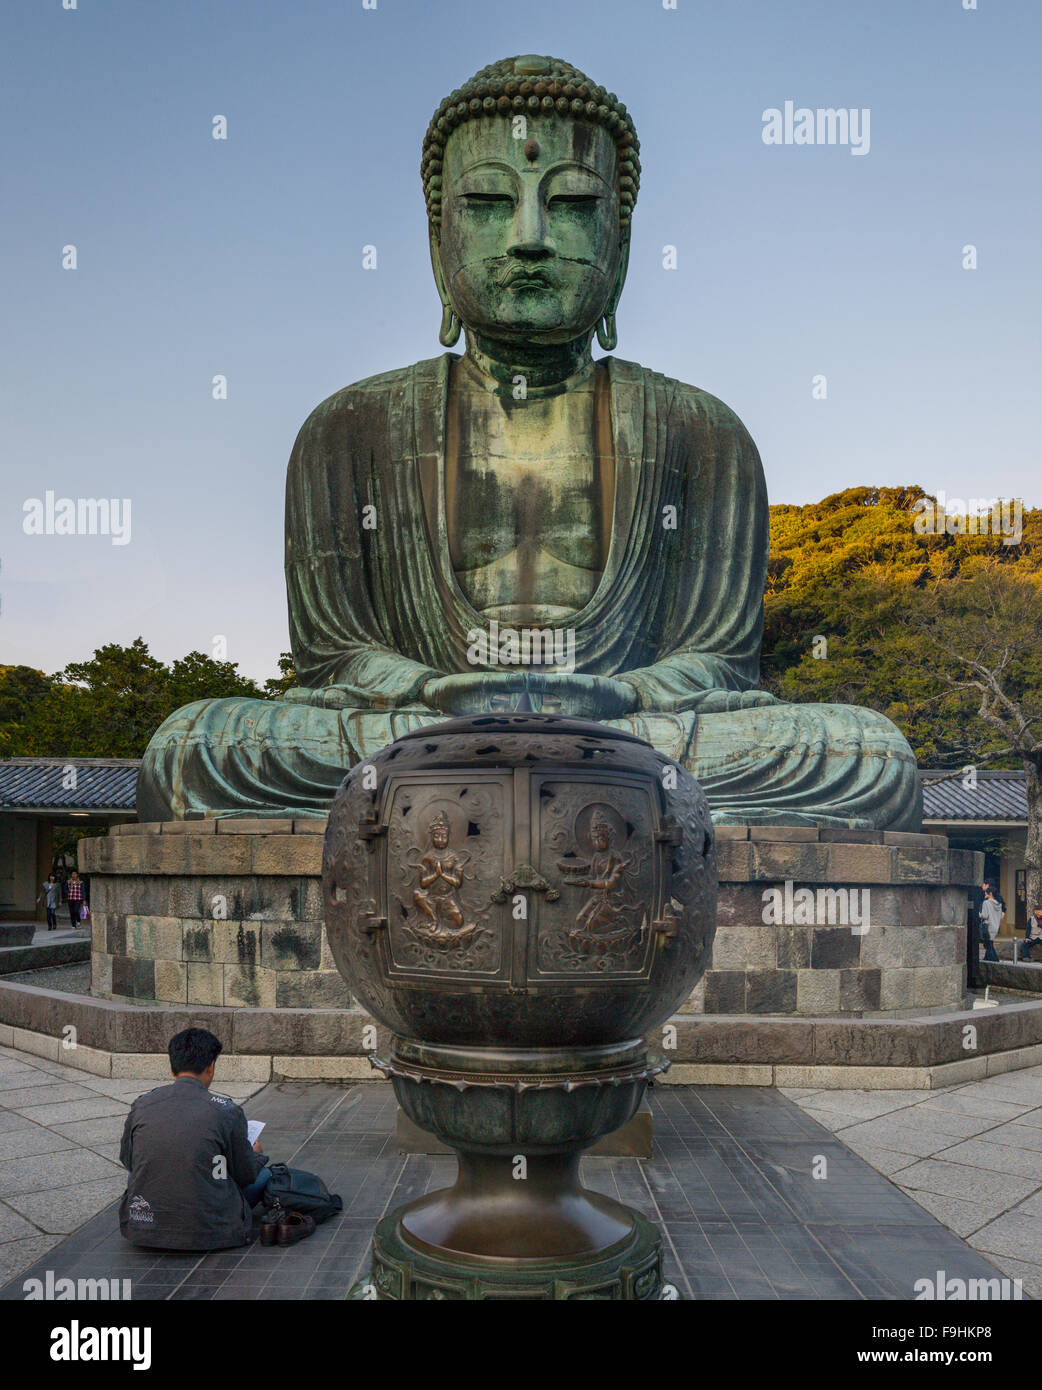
x=991 y=919
x=74 y=895
x=51 y=894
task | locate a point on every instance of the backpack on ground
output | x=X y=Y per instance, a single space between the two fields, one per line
x=295 y=1189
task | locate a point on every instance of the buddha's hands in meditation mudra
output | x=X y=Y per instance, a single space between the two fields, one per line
x=581 y=696
x=523 y=488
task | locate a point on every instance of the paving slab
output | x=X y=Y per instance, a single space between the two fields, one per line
x=953 y=1123
x=886 y=1133
x=13 y=1226
x=959 y=1215
x=32 y=1139
x=9 y=1122
x=63 y=1209
x=91 y=1133
x=16 y=1256
x=997 y=1158
x=1031 y=1206
x=866 y=1104
x=1016 y=1135
x=43 y=1171
x=1028 y=1117
x=1012 y=1234
x=888 y=1161
x=967 y=1100
x=1030 y=1275
x=950 y=1179
x=91 y=1109
x=45 y=1090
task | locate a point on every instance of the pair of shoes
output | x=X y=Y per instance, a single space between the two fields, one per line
x=280 y=1227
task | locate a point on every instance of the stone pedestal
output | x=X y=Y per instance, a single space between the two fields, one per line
x=224 y=913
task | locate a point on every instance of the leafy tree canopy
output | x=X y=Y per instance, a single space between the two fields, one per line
x=111 y=705
x=852 y=572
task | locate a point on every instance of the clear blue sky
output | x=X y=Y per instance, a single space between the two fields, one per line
x=244 y=257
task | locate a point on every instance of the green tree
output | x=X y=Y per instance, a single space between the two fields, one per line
x=21 y=687
x=841 y=577
x=111 y=705
x=276 y=686
x=977 y=637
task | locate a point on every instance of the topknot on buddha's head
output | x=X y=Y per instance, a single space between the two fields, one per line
x=532 y=85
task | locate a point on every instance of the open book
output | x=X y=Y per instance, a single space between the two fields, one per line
x=253 y=1130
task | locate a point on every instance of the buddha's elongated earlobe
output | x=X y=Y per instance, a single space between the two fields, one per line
x=607 y=332
x=449 y=333
x=450 y=327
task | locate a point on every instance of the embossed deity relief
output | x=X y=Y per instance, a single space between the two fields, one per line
x=608 y=927
x=443 y=853
x=441 y=921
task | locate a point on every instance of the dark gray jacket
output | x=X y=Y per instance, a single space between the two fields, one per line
x=189 y=1158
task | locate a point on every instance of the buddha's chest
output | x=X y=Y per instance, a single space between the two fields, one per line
x=528 y=501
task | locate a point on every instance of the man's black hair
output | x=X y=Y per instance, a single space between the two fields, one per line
x=193 y=1050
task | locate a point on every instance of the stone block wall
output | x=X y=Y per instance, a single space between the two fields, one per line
x=908 y=954
x=228 y=913
x=223 y=913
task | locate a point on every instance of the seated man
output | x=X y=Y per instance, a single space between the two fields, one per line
x=1032 y=934
x=194 y=1178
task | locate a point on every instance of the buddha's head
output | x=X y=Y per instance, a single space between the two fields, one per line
x=530 y=173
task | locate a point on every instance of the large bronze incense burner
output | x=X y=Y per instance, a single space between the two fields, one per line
x=520 y=898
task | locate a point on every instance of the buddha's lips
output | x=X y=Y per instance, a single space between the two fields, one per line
x=527 y=277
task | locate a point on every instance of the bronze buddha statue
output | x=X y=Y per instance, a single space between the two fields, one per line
x=522 y=526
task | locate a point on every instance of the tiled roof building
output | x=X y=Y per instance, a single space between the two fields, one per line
x=996 y=796
x=69 y=784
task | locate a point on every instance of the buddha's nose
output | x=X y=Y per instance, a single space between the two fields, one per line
x=530 y=240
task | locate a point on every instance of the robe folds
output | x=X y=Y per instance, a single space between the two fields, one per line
x=376 y=612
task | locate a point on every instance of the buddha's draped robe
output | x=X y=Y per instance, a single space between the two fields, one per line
x=376 y=611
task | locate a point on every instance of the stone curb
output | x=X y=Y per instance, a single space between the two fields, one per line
x=276 y=1067
x=751 y=1044
x=17 y=958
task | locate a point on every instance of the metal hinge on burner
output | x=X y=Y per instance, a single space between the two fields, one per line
x=669 y=831
x=369 y=827
x=368 y=921
x=667 y=927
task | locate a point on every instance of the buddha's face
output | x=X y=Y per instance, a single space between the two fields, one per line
x=440 y=837
x=530 y=239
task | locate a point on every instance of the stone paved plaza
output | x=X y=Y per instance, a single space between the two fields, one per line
x=971 y=1155
x=731 y=1184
